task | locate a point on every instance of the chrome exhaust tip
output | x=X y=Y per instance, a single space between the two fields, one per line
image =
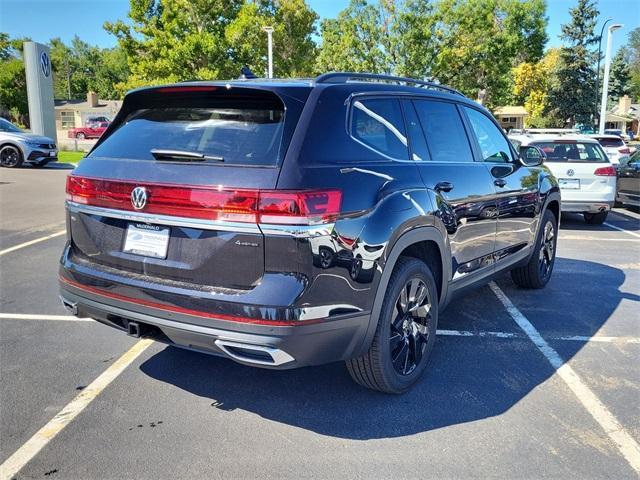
x=254 y=354
x=72 y=307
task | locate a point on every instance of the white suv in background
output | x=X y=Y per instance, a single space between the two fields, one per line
x=614 y=147
x=586 y=176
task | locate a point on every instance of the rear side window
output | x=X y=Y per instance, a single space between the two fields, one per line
x=444 y=131
x=611 y=142
x=240 y=134
x=493 y=144
x=569 y=151
x=378 y=124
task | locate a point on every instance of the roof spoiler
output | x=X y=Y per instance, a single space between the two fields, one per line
x=542 y=131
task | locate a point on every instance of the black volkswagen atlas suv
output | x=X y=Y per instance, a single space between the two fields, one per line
x=287 y=223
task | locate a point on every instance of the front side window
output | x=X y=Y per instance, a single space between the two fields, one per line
x=493 y=144
x=444 y=131
x=378 y=124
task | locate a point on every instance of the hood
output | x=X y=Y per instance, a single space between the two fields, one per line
x=32 y=137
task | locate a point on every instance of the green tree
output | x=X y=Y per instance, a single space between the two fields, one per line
x=573 y=97
x=632 y=57
x=13 y=83
x=80 y=67
x=620 y=79
x=353 y=41
x=294 y=49
x=469 y=44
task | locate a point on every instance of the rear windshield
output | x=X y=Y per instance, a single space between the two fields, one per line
x=611 y=142
x=237 y=134
x=567 y=151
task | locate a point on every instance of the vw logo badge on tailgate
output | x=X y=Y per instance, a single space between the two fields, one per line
x=570 y=172
x=139 y=197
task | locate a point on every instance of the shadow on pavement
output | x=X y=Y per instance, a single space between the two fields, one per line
x=468 y=379
x=575 y=222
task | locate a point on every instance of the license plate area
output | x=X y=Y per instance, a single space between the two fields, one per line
x=569 y=183
x=146 y=240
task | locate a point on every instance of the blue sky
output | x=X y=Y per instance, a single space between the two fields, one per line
x=45 y=19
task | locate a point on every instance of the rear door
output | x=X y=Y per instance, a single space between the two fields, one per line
x=629 y=180
x=465 y=195
x=170 y=190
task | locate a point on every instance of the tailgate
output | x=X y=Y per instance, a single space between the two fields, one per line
x=178 y=219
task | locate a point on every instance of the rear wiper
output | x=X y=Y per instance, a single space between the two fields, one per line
x=183 y=156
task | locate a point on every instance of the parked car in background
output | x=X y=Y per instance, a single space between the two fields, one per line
x=90 y=130
x=18 y=147
x=618 y=133
x=586 y=176
x=209 y=219
x=614 y=147
x=629 y=181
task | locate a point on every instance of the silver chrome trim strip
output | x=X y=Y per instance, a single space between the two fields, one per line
x=297 y=231
x=164 y=219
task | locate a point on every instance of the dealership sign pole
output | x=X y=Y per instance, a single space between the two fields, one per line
x=37 y=65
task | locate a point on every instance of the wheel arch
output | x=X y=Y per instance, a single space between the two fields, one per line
x=424 y=243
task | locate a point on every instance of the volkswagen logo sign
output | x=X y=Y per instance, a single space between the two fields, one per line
x=139 y=197
x=570 y=172
x=45 y=64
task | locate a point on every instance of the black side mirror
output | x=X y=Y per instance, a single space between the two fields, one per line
x=532 y=156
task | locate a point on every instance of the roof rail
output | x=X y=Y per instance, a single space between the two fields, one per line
x=345 y=77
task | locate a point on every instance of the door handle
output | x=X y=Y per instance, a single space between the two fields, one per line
x=499 y=182
x=444 y=187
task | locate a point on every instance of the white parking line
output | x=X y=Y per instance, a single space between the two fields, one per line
x=626 y=444
x=31 y=242
x=30 y=449
x=621 y=229
x=596 y=239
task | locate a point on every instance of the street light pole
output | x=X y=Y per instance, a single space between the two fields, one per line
x=605 y=81
x=599 y=56
x=269 y=31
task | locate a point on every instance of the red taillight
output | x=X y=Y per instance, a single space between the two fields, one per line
x=299 y=208
x=624 y=150
x=605 y=171
x=210 y=203
x=186 y=89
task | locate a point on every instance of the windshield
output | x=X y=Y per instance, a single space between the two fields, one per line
x=572 y=151
x=6 y=126
x=240 y=134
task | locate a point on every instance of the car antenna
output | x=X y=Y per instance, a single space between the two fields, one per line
x=246 y=73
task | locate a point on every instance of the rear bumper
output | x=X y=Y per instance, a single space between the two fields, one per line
x=267 y=346
x=590 y=207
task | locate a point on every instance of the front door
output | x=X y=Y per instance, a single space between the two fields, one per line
x=517 y=186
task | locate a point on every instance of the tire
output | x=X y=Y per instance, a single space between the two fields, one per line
x=408 y=338
x=595 y=218
x=537 y=272
x=10 y=156
x=80 y=136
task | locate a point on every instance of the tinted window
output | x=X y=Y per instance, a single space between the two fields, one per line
x=419 y=150
x=240 y=135
x=571 y=151
x=6 y=126
x=611 y=142
x=444 y=131
x=378 y=124
x=493 y=144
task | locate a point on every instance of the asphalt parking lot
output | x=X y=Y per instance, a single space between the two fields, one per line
x=522 y=384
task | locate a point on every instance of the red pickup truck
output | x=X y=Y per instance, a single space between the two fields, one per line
x=91 y=130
